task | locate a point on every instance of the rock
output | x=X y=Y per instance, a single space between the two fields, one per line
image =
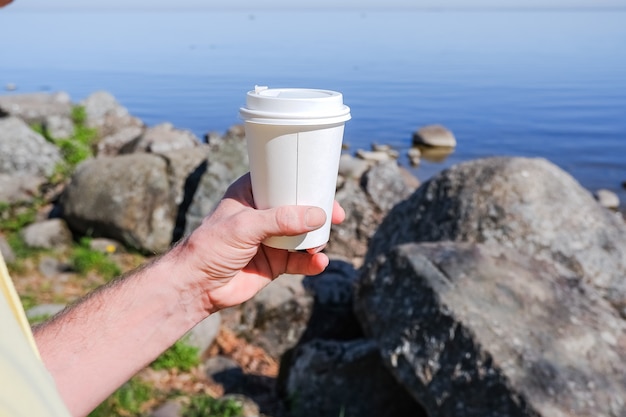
x=6 y=250
x=49 y=267
x=225 y=163
x=276 y=317
x=607 y=199
x=332 y=317
x=415 y=156
x=112 y=145
x=385 y=185
x=104 y=245
x=171 y=408
x=186 y=167
x=58 y=127
x=19 y=188
x=333 y=378
x=393 y=154
x=482 y=330
x=213 y=138
x=10 y=86
x=36 y=107
x=47 y=234
x=434 y=135
x=351 y=167
x=203 y=334
x=435 y=154
x=24 y=152
x=126 y=198
x=366 y=201
x=224 y=371
x=107 y=115
x=528 y=205
x=161 y=139
x=375 y=156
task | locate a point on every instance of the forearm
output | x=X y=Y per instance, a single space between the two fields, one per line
x=95 y=346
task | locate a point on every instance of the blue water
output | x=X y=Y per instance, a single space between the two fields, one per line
x=549 y=84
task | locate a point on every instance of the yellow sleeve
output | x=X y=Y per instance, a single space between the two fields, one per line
x=27 y=388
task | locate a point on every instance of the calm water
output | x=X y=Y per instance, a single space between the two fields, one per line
x=549 y=84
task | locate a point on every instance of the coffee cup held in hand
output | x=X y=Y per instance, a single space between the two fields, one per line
x=294 y=138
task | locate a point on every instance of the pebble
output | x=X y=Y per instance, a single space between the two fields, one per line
x=415 y=156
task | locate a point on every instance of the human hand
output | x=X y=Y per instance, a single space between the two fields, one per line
x=225 y=254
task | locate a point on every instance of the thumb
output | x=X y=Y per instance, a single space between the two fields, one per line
x=292 y=220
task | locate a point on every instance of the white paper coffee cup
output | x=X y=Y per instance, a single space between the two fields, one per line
x=294 y=138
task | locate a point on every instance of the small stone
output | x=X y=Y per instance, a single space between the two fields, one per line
x=434 y=135
x=169 y=409
x=47 y=234
x=415 y=156
x=49 y=267
x=104 y=245
x=10 y=87
x=351 y=167
x=607 y=198
x=374 y=156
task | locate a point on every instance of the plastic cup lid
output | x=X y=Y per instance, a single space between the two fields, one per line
x=294 y=106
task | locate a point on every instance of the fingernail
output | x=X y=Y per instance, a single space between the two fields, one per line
x=314 y=217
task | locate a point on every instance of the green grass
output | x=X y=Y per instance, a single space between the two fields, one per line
x=74 y=149
x=203 y=405
x=14 y=217
x=128 y=400
x=181 y=356
x=85 y=260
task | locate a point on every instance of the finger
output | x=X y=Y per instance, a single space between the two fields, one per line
x=306 y=264
x=288 y=220
x=315 y=250
x=339 y=214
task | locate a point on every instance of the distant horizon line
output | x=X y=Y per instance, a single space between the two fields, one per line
x=324 y=9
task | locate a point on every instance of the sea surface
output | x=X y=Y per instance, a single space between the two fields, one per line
x=548 y=84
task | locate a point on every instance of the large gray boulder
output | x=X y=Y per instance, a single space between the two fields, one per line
x=480 y=330
x=127 y=198
x=528 y=205
x=139 y=199
x=36 y=107
x=24 y=152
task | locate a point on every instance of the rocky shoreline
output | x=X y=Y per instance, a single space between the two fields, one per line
x=495 y=288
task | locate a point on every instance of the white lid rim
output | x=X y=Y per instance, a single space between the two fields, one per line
x=247 y=113
x=298 y=122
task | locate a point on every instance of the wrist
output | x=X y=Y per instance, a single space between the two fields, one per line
x=183 y=273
